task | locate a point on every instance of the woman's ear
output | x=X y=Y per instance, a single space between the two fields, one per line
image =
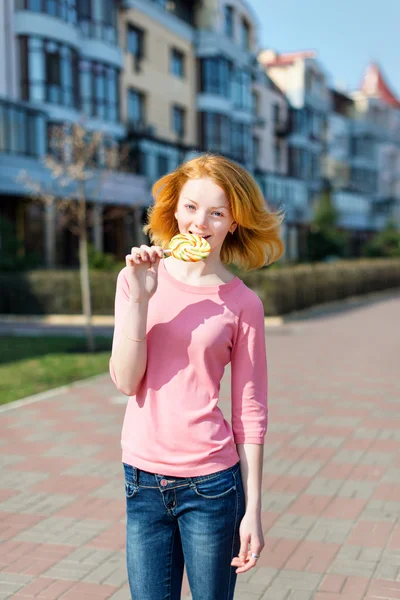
x=233 y=227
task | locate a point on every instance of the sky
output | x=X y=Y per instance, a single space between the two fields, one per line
x=346 y=34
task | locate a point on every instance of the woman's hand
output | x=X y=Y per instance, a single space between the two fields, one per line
x=251 y=533
x=142 y=272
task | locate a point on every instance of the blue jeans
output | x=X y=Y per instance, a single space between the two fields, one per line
x=172 y=521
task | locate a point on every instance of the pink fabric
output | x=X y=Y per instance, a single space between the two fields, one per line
x=173 y=426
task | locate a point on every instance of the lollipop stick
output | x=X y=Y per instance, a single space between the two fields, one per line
x=167 y=251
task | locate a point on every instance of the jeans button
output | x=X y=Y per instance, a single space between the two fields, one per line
x=163 y=482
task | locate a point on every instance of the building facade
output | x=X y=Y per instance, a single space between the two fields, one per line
x=170 y=79
x=62 y=65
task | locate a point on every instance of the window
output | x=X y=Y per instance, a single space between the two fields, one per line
x=135 y=41
x=49 y=72
x=98 y=19
x=99 y=90
x=277 y=156
x=162 y=165
x=136 y=107
x=215 y=132
x=241 y=142
x=20 y=129
x=216 y=76
x=277 y=116
x=228 y=14
x=177 y=63
x=256 y=151
x=178 y=120
x=62 y=9
x=242 y=90
x=53 y=65
x=245 y=35
x=255 y=102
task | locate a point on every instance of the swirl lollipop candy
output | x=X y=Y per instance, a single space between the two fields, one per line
x=189 y=247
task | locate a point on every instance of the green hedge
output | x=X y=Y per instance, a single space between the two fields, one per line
x=282 y=290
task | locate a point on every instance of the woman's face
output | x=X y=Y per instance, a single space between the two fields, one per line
x=203 y=209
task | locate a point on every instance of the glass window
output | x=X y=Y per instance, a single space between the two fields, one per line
x=61 y=9
x=242 y=95
x=255 y=101
x=245 y=35
x=135 y=106
x=277 y=153
x=48 y=71
x=256 y=151
x=215 y=132
x=228 y=14
x=16 y=125
x=162 y=165
x=97 y=19
x=135 y=41
x=178 y=120
x=216 y=76
x=99 y=90
x=177 y=63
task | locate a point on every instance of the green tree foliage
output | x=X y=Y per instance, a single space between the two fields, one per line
x=324 y=239
x=386 y=243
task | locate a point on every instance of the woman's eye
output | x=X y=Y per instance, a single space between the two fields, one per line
x=219 y=214
x=189 y=206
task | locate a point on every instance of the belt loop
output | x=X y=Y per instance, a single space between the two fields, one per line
x=135 y=475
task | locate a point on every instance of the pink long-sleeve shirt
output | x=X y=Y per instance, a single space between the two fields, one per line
x=173 y=425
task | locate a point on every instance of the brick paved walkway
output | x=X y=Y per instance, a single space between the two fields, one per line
x=331 y=500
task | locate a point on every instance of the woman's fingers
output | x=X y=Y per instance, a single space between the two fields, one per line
x=143 y=254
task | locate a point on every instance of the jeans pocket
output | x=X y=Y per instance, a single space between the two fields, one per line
x=216 y=487
x=131 y=488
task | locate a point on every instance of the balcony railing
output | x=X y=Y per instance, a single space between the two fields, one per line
x=22 y=129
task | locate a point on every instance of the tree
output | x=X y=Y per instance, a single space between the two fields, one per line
x=79 y=161
x=324 y=238
x=386 y=243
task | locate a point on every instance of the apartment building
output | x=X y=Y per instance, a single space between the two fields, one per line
x=61 y=63
x=376 y=141
x=352 y=197
x=158 y=84
x=302 y=81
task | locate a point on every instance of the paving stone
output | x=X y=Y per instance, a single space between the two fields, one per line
x=36 y=503
x=331 y=473
x=324 y=487
x=276 y=501
x=19 y=480
x=63 y=530
x=96 y=468
x=380 y=510
x=328 y=530
x=357 y=489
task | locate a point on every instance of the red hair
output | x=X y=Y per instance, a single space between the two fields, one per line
x=254 y=243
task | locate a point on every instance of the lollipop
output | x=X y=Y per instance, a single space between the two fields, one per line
x=189 y=247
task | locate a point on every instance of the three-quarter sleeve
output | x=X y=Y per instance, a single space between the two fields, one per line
x=249 y=376
x=121 y=306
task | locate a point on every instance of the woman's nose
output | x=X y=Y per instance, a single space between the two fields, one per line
x=201 y=219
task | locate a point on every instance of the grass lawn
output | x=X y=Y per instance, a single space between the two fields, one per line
x=29 y=365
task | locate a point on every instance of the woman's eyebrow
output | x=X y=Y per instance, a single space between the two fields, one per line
x=194 y=202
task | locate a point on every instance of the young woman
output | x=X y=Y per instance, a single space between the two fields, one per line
x=193 y=482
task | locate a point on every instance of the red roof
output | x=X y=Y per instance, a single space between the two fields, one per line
x=374 y=84
x=288 y=58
